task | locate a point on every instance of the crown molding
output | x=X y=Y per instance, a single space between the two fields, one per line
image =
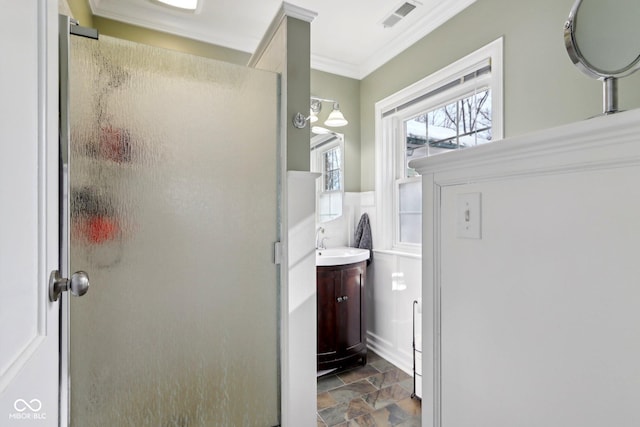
x=421 y=28
x=170 y=22
x=329 y=65
x=603 y=141
x=293 y=11
x=286 y=11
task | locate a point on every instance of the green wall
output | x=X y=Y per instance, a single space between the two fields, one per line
x=324 y=85
x=82 y=12
x=297 y=71
x=146 y=36
x=542 y=88
x=298 y=54
x=347 y=92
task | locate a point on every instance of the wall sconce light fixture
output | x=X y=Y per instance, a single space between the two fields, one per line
x=335 y=119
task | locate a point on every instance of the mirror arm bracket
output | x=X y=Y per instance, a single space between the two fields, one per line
x=609 y=77
x=610 y=95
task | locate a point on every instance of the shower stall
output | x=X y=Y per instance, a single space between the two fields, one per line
x=173 y=213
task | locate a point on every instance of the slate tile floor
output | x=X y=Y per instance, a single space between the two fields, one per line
x=375 y=395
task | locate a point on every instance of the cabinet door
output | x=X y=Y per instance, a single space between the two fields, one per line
x=351 y=309
x=327 y=322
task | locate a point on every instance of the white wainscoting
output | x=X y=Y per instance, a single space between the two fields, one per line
x=298 y=332
x=535 y=323
x=394 y=281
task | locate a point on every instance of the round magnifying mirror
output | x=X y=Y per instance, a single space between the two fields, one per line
x=603 y=40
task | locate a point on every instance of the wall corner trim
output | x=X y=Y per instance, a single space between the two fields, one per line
x=293 y=11
x=286 y=10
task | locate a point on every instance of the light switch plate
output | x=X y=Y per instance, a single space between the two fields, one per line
x=469 y=216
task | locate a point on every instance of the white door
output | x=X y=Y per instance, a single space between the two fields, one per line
x=29 y=323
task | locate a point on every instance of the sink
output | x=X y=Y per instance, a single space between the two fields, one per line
x=340 y=256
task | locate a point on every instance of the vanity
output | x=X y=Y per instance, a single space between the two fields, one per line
x=341 y=280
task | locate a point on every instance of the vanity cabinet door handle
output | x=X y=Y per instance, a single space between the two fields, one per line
x=342 y=298
x=339 y=299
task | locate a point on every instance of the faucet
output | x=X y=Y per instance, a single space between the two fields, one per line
x=319 y=243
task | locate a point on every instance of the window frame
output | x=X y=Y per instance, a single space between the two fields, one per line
x=391 y=112
x=320 y=145
x=322 y=154
x=398 y=244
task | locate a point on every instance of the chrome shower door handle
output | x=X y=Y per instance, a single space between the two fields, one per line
x=78 y=284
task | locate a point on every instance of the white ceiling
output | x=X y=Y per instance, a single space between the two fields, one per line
x=347 y=36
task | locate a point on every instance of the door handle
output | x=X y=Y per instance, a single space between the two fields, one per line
x=342 y=298
x=78 y=284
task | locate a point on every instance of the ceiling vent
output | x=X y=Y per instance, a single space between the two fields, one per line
x=401 y=11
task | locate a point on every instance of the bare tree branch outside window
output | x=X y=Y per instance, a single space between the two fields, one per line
x=461 y=123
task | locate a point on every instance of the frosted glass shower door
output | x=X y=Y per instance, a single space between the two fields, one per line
x=173 y=176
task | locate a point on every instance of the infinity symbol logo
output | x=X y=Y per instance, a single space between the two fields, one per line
x=22 y=405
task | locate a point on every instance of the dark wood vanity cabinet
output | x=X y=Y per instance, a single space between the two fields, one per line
x=342 y=337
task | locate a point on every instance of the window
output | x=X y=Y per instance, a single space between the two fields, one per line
x=457 y=107
x=409 y=211
x=326 y=158
x=331 y=171
x=462 y=122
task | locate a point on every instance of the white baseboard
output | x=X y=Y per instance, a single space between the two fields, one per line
x=387 y=351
